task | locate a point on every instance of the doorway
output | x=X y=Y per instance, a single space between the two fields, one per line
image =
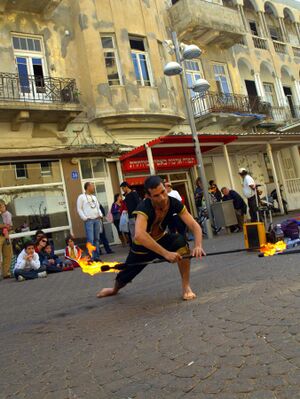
x=289 y=95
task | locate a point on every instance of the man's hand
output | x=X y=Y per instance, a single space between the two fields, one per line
x=197 y=252
x=172 y=257
x=51 y=261
x=29 y=257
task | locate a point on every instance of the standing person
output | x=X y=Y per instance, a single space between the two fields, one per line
x=198 y=194
x=152 y=241
x=5 y=245
x=89 y=211
x=176 y=224
x=249 y=188
x=239 y=205
x=28 y=266
x=116 y=213
x=103 y=238
x=214 y=190
x=7 y=219
x=131 y=200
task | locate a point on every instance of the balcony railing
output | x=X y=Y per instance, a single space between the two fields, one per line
x=296 y=51
x=281 y=114
x=14 y=87
x=228 y=103
x=293 y=186
x=260 y=43
x=280 y=47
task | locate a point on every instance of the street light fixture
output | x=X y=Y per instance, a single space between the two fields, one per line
x=188 y=52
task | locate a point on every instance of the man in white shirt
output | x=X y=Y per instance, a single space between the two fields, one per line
x=172 y=193
x=89 y=211
x=176 y=225
x=249 y=188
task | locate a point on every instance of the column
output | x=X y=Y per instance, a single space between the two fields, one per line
x=283 y=30
x=226 y=155
x=262 y=24
x=150 y=160
x=259 y=86
x=296 y=25
x=242 y=14
x=120 y=173
x=282 y=101
x=277 y=185
x=296 y=159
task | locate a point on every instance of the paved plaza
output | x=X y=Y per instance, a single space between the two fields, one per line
x=239 y=339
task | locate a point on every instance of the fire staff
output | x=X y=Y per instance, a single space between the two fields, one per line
x=152 y=241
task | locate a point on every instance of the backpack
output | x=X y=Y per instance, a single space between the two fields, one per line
x=290 y=228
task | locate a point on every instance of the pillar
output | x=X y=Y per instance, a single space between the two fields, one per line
x=150 y=160
x=226 y=155
x=259 y=86
x=120 y=173
x=262 y=24
x=296 y=159
x=277 y=185
x=297 y=29
x=282 y=101
x=242 y=14
x=284 y=35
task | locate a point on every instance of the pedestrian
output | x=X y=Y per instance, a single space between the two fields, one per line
x=239 y=205
x=214 y=191
x=198 y=194
x=89 y=211
x=131 y=200
x=249 y=190
x=176 y=225
x=5 y=244
x=116 y=213
x=7 y=219
x=28 y=266
x=103 y=238
x=152 y=241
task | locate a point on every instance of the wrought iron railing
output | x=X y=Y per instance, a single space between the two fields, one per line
x=279 y=47
x=281 y=114
x=228 y=103
x=296 y=51
x=14 y=87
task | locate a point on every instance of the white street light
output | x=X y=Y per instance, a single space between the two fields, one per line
x=172 y=68
x=188 y=52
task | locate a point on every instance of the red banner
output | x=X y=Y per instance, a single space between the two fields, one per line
x=160 y=163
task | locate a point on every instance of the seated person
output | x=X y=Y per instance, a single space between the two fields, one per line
x=40 y=244
x=28 y=265
x=52 y=262
x=72 y=251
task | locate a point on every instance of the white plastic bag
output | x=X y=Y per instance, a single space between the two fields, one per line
x=124 y=227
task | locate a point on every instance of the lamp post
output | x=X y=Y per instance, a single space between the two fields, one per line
x=201 y=86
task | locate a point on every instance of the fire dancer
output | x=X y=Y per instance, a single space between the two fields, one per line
x=151 y=240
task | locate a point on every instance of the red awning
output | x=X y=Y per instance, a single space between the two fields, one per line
x=171 y=152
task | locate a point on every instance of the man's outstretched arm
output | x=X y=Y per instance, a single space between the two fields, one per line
x=192 y=225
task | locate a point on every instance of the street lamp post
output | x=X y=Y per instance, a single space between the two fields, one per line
x=201 y=86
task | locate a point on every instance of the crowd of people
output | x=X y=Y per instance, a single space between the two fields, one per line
x=37 y=258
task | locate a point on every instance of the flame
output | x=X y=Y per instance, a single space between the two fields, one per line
x=271 y=249
x=93 y=267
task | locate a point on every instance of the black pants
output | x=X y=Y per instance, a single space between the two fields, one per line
x=139 y=254
x=252 y=208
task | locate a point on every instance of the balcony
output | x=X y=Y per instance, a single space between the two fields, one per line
x=260 y=43
x=228 y=110
x=206 y=22
x=296 y=51
x=279 y=47
x=38 y=100
x=45 y=7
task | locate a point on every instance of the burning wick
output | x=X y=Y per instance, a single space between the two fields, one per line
x=271 y=249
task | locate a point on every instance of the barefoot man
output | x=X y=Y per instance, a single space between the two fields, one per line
x=151 y=240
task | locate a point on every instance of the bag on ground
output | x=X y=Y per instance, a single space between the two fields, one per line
x=290 y=228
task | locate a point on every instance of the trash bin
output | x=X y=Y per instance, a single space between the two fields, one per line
x=224 y=213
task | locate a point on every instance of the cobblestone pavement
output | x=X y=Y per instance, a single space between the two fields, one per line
x=239 y=339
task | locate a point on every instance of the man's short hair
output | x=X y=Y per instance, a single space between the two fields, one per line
x=28 y=244
x=86 y=185
x=125 y=184
x=152 y=182
x=224 y=188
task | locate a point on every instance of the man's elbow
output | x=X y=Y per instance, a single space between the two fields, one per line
x=139 y=236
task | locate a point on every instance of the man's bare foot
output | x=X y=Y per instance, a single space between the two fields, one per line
x=107 y=292
x=188 y=294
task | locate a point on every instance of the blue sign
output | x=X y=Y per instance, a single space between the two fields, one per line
x=74 y=175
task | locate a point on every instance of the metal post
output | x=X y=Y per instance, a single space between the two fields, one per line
x=277 y=186
x=226 y=155
x=192 y=124
x=150 y=160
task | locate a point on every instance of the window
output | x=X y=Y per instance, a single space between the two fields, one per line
x=46 y=168
x=253 y=28
x=270 y=93
x=21 y=171
x=275 y=33
x=27 y=43
x=193 y=72
x=222 y=78
x=111 y=58
x=93 y=168
x=140 y=61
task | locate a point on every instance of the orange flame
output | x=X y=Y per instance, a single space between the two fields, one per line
x=271 y=249
x=92 y=267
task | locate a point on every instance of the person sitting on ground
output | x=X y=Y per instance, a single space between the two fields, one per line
x=72 y=251
x=51 y=261
x=40 y=244
x=28 y=266
x=239 y=205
